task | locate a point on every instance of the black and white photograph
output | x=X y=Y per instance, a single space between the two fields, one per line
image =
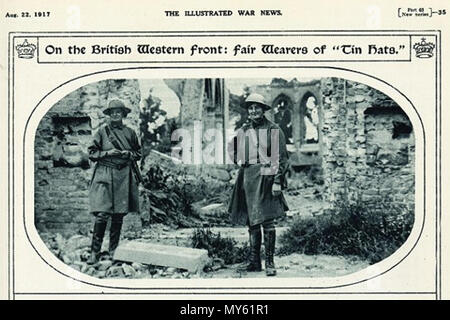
x=140 y=178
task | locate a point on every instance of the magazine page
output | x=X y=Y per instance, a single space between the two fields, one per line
x=228 y=150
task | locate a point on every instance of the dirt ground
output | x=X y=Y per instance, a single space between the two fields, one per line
x=298 y=265
x=75 y=250
x=294 y=265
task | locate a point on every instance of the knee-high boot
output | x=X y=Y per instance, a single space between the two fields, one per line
x=97 y=240
x=114 y=236
x=269 y=244
x=255 y=250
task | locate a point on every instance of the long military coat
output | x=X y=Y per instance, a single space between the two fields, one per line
x=114 y=187
x=252 y=201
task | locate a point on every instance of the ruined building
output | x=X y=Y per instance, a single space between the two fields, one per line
x=360 y=137
x=364 y=140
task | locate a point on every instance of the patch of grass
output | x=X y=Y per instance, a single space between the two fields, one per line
x=371 y=230
x=224 y=248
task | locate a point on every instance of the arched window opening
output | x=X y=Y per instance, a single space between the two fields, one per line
x=311 y=120
x=282 y=108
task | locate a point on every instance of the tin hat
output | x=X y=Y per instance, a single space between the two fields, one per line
x=115 y=104
x=256 y=98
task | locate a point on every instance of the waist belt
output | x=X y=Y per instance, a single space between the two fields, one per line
x=112 y=164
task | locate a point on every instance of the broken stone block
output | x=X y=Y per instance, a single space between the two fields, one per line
x=84 y=267
x=220 y=174
x=68 y=258
x=115 y=271
x=137 y=266
x=103 y=265
x=80 y=264
x=84 y=255
x=170 y=271
x=128 y=270
x=190 y=259
x=90 y=271
x=76 y=267
x=77 y=242
x=212 y=209
x=60 y=241
x=291 y=213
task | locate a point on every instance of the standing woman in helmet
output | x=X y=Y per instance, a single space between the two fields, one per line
x=260 y=149
x=114 y=186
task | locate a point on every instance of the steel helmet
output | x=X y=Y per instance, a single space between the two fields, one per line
x=256 y=98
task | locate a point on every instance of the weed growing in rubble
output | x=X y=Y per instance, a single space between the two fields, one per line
x=370 y=230
x=226 y=248
x=170 y=195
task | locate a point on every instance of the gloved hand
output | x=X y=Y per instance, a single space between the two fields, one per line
x=276 y=189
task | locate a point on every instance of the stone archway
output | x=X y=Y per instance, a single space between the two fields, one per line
x=308 y=133
x=295 y=95
x=309 y=117
x=282 y=108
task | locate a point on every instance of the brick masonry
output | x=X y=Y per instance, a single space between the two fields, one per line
x=368 y=145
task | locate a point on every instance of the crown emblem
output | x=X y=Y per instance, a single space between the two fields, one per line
x=26 y=50
x=424 y=49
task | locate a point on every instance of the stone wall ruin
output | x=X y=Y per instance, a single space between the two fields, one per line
x=368 y=145
x=62 y=168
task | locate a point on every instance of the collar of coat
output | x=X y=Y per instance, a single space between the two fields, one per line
x=264 y=123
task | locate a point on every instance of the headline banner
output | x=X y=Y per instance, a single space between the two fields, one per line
x=223 y=48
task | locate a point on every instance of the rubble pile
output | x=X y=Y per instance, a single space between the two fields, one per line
x=75 y=252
